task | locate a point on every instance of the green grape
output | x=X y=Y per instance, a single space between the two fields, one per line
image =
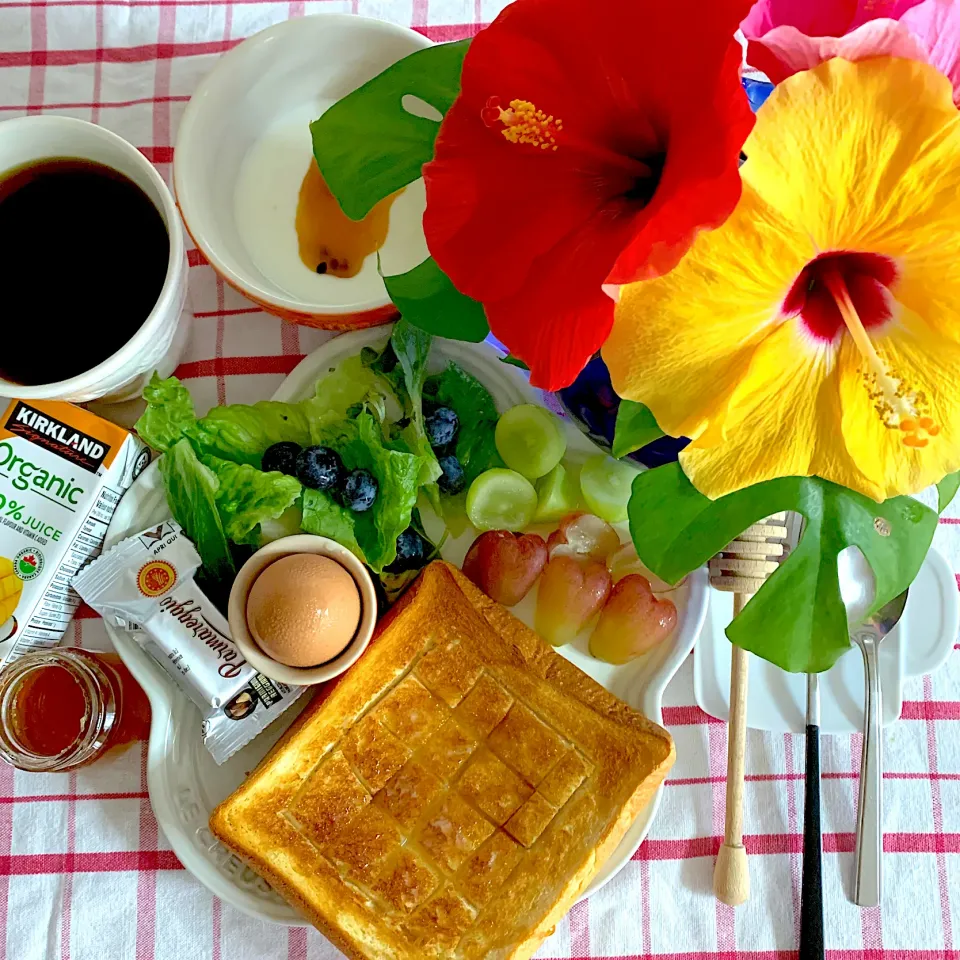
x=501 y=500
x=606 y=485
x=558 y=493
x=530 y=440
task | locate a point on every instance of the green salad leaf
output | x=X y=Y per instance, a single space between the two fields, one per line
x=427 y=298
x=169 y=414
x=361 y=445
x=411 y=346
x=368 y=145
x=351 y=384
x=192 y=497
x=238 y=432
x=635 y=428
x=947 y=490
x=797 y=620
x=247 y=497
x=324 y=517
x=403 y=366
x=398 y=475
x=476 y=448
x=242 y=433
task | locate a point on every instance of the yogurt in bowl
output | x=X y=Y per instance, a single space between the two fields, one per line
x=243 y=155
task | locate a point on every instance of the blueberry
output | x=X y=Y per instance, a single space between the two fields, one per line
x=412 y=550
x=452 y=479
x=282 y=457
x=441 y=425
x=359 y=490
x=319 y=468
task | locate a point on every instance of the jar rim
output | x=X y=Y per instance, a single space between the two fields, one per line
x=99 y=695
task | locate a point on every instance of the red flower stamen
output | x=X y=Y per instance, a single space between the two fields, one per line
x=899 y=406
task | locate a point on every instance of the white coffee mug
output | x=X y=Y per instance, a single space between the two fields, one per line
x=158 y=343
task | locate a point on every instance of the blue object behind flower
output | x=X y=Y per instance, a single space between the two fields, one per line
x=592 y=404
x=757 y=92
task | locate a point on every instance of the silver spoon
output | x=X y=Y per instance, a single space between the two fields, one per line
x=867 y=636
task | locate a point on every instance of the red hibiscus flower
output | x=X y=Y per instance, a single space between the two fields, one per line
x=589 y=144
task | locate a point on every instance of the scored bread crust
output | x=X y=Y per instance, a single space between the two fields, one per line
x=454 y=793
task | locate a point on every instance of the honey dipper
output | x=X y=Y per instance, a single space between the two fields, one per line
x=742 y=569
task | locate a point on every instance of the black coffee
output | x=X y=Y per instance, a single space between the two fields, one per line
x=83 y=257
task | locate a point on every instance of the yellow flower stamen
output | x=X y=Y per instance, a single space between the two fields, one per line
x=524 y=123
x=898 y=405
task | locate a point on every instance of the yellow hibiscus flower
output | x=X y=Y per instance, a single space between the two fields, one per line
x=817 y=332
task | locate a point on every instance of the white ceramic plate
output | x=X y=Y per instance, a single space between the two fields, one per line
x=184 y=782
x=776 y=700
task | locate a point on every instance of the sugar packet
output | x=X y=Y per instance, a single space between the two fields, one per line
x=145 y=585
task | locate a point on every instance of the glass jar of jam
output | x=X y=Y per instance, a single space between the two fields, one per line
x=64 y=708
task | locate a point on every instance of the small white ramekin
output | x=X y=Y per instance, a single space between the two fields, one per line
x=237 y=609
x=160 y=339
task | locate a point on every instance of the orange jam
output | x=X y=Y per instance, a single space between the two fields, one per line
x=64 y=708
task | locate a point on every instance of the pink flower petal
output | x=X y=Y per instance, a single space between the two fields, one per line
x=936 y=25
x=868 y=10
x=879 y=38
x=816 y=18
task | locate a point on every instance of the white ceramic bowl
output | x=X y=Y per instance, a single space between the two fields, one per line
x=255 y=108
x=237 y=609
x=160 y=339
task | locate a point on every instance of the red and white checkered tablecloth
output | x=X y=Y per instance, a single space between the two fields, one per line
x=85 y=873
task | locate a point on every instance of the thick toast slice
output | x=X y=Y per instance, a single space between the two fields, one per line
x=454 y=793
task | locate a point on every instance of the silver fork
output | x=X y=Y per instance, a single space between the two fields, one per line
x=869 y=848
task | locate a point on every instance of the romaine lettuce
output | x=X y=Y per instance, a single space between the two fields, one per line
x=191 y=495
x=247 y=497
x=169 y=414
x=361 y=444
x=324 y=517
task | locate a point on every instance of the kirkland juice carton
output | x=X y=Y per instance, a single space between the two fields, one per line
x=62 y=474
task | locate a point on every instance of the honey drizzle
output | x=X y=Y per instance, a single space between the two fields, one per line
x=329 y=241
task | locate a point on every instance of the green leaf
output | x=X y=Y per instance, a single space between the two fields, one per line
x=169 y=413
x=514 y=361
x=191 y=495
x=476 y=448
x=247 y=497
x=411 y=347
x=797 y=619
x=373 y=532
x=324 y=517
x=635 y=428
x=368 y=146
x=242 y=433
x=427 y=298
x=947 y=490
x=350 y=383
x=398 y=476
